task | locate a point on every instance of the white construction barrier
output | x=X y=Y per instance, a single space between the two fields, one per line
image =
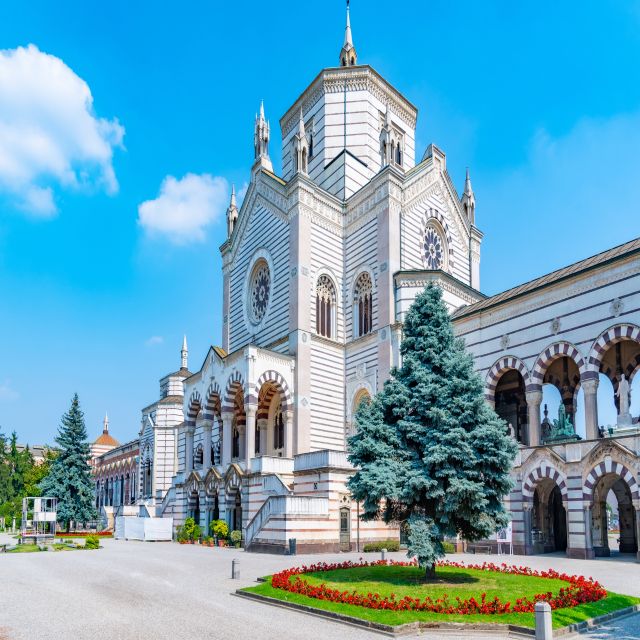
x=148 y=529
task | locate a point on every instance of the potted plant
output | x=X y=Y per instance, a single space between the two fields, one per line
x=220 y=530
x=236 y=538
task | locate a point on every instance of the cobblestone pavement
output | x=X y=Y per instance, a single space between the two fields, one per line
x=135 y=590
x=624 y=629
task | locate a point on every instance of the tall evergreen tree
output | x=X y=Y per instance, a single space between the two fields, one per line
x=429 y=450
x=69 y=479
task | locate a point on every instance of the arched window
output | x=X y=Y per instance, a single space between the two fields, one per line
x=325 y=307
x=278 y=430
x=310 y=145
x=363 y=305
x=398 y=155
x=235 y=439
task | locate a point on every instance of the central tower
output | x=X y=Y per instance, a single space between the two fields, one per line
x=343 y=112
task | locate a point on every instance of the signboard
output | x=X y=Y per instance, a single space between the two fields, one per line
x=505 y=534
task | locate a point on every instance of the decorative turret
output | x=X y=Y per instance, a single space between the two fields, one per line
x=261 y=140
x=184 y=354
x=385 y=139
x=469 y=200
x=232 y=212
x=348 y=55
x=301 y=148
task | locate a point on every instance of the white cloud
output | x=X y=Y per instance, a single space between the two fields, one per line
x=185 y=207
x=7 y=392
x=154 y=340
x=49 y=134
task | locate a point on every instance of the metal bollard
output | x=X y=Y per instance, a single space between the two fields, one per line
x=235 y=569
x=544 y=629
x=383 y=555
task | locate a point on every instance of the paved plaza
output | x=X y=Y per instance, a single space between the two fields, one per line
x=135 y=590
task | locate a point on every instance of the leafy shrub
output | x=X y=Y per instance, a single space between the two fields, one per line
x=92 y=542
x=220 y=529
x=389 y=545
x=188 y=531
x=236 y=537
x=449 y=547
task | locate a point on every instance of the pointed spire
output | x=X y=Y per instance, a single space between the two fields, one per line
x=232 y=212
x=469 y=199
x=184 y=354
x=348 y=55
x=105 y=423
x=262 y=109
x=261 y=136
x=387 y=116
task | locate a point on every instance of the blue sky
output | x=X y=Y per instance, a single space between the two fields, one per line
x=540 y=100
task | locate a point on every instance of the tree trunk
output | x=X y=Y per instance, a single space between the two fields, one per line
x=430 y=572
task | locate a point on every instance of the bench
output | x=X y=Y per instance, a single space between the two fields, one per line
x=482 y=548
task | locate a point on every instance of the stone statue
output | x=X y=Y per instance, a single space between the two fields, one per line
x=560 y=429
x=623 y=393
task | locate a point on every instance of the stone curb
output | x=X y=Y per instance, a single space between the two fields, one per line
x=446 y=628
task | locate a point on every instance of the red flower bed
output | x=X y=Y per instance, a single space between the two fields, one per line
x=579 y=591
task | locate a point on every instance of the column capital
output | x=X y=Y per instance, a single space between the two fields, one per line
x=189 y=429
x=534 y=397
x=227 y=416
x=590 y=385
x=250 y=410
x=207 y=423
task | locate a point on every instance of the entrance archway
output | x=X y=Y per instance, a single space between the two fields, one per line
x=549 y=518
x=607 y=511
x=194 y=506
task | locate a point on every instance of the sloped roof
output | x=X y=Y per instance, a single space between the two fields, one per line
x=105 y=438
x=600 y=259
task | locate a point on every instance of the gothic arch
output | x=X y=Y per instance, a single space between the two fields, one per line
x=604 y=468
x=553 y=352
x=545 y=470
x=614 y=334
x=234 y=383
x=506 y=363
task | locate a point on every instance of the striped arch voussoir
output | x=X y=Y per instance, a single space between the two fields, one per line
x=213 y=402
x=234 y=383
x=507 y=363
x=434 y=214
x=538 y=474
x=195 y=404
x=280 y=385
x=609 y=338
x=604 y=468
x=553 y=352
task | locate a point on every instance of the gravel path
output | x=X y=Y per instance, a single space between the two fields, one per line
x=135 y=590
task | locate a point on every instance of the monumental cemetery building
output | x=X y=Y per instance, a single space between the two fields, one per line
x=320 y=265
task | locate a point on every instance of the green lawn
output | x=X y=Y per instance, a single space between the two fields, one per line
x=450 y=580
x=25 y=548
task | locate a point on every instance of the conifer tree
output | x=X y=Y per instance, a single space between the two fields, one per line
x=69 y=479
x=429 y=450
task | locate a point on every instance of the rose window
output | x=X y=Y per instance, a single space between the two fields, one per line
x=433 y=249
x=260 y=289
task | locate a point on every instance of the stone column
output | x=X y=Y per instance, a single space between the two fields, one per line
x=590 y=389
x=287 y=416
x=206 y=445
x=588 y=537
x=526 y=513
x=263 y=429
x=250 y=436
x=534 y=400
x=637 y=507
x=188 y=449
x=227 y=434
x=565 y=504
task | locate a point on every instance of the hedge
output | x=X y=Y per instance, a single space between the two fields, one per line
x=389 y=545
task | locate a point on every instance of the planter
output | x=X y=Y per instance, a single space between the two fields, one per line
x=222 y=543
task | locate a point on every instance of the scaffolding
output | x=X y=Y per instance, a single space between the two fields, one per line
x=38 y=520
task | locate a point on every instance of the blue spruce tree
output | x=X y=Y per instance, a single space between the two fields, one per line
x=69 y=479
x=429 y=450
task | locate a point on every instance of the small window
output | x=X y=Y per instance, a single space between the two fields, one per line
x=325 y=307
x=363 y=306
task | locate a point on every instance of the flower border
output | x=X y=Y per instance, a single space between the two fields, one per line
x=579 y=591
